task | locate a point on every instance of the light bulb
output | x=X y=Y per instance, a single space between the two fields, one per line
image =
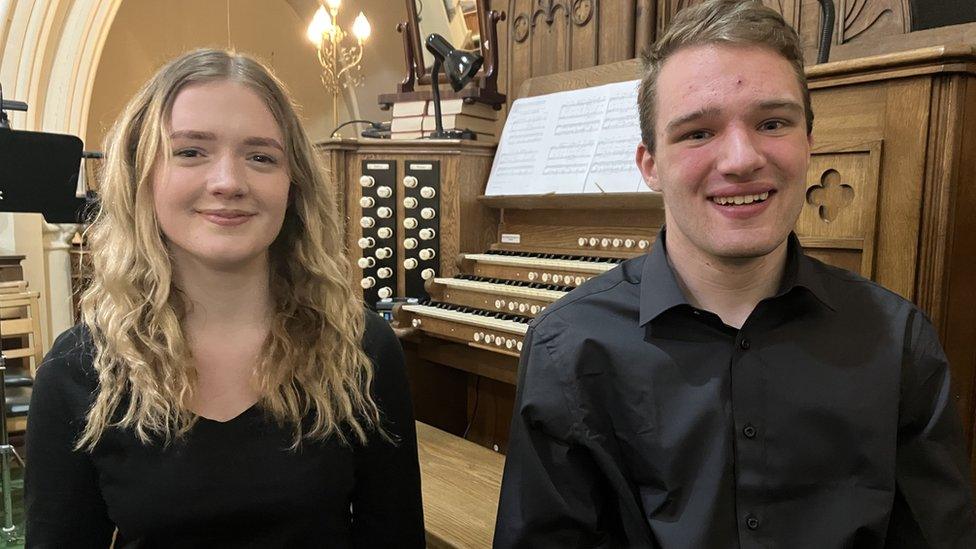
x=321 y=23
x=361 y=28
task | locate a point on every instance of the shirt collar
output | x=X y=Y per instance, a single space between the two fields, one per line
x=659 y=289
x=802 y=272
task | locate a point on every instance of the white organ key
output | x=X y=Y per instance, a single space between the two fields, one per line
x=562 y=264
x=509 y=326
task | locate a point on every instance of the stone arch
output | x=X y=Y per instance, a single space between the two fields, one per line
x=51 y=54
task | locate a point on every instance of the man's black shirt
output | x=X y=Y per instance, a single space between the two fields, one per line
x=826 y=421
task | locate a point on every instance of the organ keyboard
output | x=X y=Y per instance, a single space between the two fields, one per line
x=490 y=302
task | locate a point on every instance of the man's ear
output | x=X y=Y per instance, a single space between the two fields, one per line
x=648 y=167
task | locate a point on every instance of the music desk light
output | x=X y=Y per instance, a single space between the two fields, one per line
x=460 y=67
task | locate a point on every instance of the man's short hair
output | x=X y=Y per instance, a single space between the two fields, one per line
x=733 y=22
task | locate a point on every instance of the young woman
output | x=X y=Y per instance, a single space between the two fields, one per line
x=226 y=387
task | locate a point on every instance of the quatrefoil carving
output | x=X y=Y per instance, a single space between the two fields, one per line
x=830 y=196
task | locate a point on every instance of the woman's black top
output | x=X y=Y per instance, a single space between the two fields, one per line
x=226 y=484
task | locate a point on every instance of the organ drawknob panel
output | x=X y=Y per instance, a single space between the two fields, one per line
x=377 y=222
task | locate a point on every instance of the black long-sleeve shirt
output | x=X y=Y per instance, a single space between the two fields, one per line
x=227 y=484
x=826 y=421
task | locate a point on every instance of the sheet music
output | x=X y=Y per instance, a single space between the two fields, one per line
x=579 y=141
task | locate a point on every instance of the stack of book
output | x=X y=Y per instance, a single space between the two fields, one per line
x=415 y=119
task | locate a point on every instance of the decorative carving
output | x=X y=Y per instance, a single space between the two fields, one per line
x=881 y=17
x=520 y=28
x=830 y=196
x=582 y=11
x=547 y=8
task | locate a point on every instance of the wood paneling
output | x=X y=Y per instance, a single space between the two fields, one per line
x=541 y=37
x=856 y=20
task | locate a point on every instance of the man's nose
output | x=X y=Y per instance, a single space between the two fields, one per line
x=741 y=155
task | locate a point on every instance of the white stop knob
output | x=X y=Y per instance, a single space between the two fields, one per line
x=367 y=202
x=384 y=232
x=427 y=234
x=427 y=253
x=384 y=253
x=409 y=181
x=367 y=282
x=384 y=212
x=384 y=272
x=384 y=192
x=410 y=243
x=427 y=274
x=385 y=292
x=409 y=202
x=367 y=181
x=410 y=223
x=428 y=213
x=366 y=242
x=428 y=192
x=367 y=222
x=365 y=262
x=409 y=263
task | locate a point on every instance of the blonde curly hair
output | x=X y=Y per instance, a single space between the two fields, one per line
x=312 y=364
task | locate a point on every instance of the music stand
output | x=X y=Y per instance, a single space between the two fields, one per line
x=38 y=174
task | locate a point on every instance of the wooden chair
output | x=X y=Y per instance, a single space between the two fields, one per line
x=19 y=323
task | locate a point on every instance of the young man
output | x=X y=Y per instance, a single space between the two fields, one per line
x=725 y=390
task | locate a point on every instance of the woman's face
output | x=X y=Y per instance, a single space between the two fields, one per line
x=220 y=198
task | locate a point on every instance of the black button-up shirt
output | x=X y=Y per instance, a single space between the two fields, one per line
x=826 y=421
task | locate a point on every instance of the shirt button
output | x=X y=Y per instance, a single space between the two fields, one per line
x=744 y=344
x=752 y=522
x=749 y=431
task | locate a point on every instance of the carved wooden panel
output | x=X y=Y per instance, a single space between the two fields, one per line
x=856 y=20
x=839 y=217
x=541 y=37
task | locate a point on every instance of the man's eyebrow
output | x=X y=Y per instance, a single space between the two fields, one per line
x=703 y=112
x=706 y=112
x=775 y=104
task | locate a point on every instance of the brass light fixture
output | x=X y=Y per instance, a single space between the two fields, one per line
x=340 y=63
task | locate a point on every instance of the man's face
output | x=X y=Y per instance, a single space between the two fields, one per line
x=731 y=150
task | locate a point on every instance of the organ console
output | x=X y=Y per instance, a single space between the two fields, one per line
x=889 y=195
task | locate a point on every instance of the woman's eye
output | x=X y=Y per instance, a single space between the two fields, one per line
x=187 y=153
x=264 y=159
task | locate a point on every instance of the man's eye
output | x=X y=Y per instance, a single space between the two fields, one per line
x=187 y=153
x=697 y=135
x=772 y=125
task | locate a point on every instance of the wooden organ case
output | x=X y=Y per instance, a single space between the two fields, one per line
x=890 y=192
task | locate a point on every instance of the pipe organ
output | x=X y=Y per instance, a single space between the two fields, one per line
x=890 y=191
